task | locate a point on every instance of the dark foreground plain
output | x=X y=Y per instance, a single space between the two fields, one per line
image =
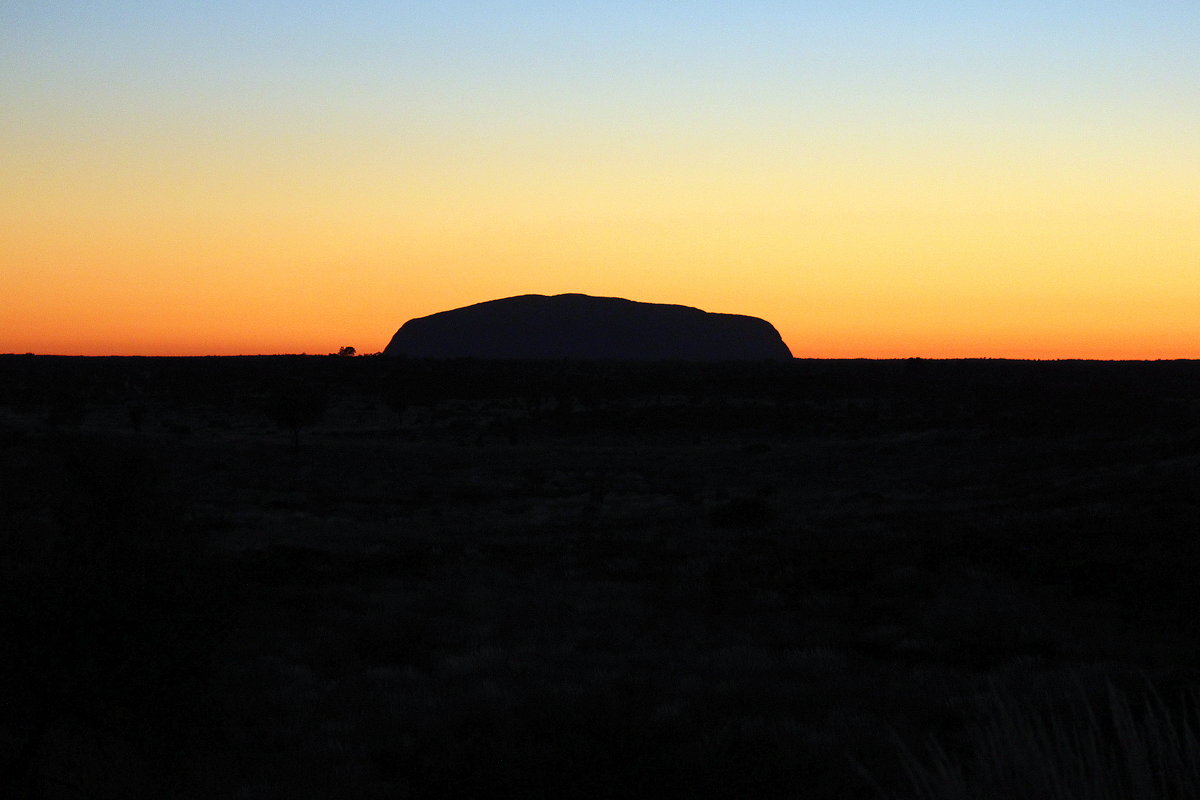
x=293 y=577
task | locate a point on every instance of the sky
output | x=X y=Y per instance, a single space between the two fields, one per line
x=877 y=179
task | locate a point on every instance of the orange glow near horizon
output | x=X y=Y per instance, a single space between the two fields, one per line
x=869 y=190
x=978 y=274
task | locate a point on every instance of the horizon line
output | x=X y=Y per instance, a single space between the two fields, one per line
x=793 y=358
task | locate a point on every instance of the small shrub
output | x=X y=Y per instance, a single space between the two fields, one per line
x=296 y=406
x=742 y=512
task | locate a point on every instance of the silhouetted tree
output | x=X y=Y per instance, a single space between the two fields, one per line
x=295 y=406
x=397 y=398
x=137 y=414
x=347 y=351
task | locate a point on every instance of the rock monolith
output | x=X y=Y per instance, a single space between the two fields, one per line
x=579 y=326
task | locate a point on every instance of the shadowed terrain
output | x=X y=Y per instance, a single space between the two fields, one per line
x=588 y=579
x=582 y=327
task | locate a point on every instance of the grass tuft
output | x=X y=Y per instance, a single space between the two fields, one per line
x=1122 y=745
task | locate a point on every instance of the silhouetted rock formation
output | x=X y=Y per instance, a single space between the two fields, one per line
x=583 y=327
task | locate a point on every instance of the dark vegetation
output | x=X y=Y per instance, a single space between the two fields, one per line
x=288 y=577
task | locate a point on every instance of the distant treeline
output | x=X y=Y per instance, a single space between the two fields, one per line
x=1064 y=394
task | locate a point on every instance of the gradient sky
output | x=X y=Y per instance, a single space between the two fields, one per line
x=939 y=179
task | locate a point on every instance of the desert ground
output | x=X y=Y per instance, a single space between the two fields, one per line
x=327 y=576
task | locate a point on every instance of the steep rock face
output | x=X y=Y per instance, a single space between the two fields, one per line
x=583 y=327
